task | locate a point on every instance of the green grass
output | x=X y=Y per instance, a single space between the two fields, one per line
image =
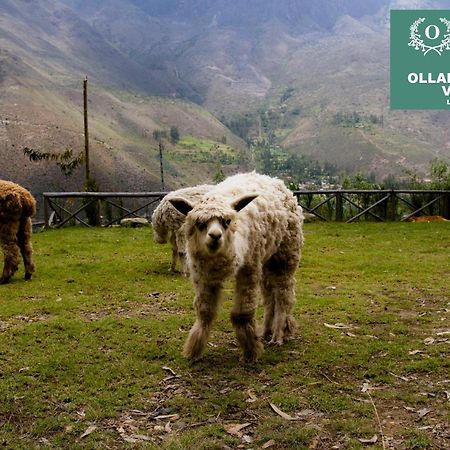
x=193 y=149
x=93 y=339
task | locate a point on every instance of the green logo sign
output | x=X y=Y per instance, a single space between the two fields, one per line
x=420 y=59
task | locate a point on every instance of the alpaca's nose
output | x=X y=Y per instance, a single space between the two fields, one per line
x=215 y=234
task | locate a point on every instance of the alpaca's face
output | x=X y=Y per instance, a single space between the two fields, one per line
x=212 y=235
x=210 y=225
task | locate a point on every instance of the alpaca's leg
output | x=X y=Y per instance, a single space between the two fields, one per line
x=269 y=303
x=205 y=303
x=283 y=322
x=173 y=266
x=243 y=314
x=183 y=264
x=280 y=286
x=8 y=240
x=26 y=248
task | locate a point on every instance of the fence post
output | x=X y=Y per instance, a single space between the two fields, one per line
x=339 y=207
x=392 y=206
x=86 y=131
x=46 y=216
x=446 y=206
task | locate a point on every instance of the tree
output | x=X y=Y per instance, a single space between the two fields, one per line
x=174 y=135
x=219 y=175
x=66 y=161
x=440 y=174
x=159 y=134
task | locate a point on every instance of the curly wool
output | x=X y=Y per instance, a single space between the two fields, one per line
x=167 y=222
x=261 y=250
x=17 y=206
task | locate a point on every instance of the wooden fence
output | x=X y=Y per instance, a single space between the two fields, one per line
x=108 y=208
x=97 y=208
x=379 y=205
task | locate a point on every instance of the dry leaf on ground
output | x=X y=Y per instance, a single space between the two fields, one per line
x=372 y=440
x=168 y=416
x=168 y=369
x=235 y=428
x=423 y=412
x=251 y=396
x=88 y=431
x=134 y=438
x=338 y=326
x=281 y=413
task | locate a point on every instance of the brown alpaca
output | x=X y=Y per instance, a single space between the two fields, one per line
x=17 y=206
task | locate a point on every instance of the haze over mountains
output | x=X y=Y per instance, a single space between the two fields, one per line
x=292 y=72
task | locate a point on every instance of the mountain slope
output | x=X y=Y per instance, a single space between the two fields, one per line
x=310 y=77
x=296 y=62
x=45 y=53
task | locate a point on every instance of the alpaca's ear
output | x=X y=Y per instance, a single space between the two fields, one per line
x=242 y=202
x=181 y=205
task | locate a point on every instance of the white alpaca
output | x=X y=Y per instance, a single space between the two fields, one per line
x=250 y=227
x=168 y=222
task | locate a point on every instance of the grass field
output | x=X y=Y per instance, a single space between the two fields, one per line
x=90 y=349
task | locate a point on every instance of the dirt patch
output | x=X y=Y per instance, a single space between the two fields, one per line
x=157 y=304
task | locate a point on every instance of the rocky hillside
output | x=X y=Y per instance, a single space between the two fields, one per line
x=46 y=51
x=307 y=77
x=298 y=67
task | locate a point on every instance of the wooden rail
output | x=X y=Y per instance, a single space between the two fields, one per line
x=61 y=215
x=108 y=208
x=382 y=205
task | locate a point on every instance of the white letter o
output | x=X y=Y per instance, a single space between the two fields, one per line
x=413 y=78
x=437 y=32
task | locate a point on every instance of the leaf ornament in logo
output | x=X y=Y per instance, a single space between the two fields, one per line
x=417 y=42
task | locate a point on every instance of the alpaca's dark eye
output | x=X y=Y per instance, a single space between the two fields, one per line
x=201 y=226
x=225 y=223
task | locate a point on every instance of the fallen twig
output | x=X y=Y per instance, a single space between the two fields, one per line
x=378 y=419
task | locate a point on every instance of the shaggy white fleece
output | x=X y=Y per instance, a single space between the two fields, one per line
x=168 y=222
x=249 y=227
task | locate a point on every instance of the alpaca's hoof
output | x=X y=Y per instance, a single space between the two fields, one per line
x=4 y=280
x=193 y=358
x=278 y=342
x=28 y=276
x=250 y=356
x=249 y=359
x=290 y=327
x=192 y=354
